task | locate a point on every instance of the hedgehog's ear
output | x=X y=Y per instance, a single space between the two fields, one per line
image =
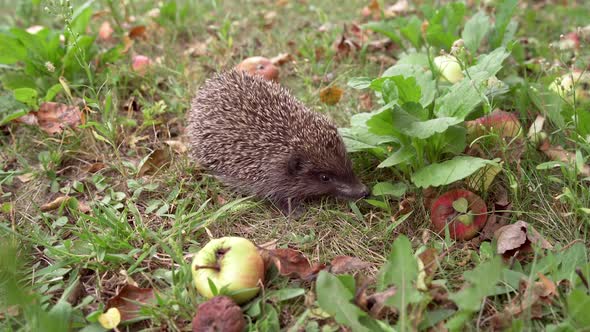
x=294 y=165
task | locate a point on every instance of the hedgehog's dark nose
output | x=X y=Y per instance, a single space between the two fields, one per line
x=365 y=192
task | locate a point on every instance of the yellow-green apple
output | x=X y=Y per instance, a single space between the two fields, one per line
x=449 y=68
x=230 y=262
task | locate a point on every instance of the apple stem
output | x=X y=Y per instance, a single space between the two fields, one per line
x=212 y=267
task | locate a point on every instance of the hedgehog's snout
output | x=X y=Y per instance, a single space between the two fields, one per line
x=355 y=190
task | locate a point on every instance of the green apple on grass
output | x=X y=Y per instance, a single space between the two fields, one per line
x=230 y=263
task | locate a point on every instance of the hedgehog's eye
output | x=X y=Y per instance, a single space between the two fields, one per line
x=324 y=178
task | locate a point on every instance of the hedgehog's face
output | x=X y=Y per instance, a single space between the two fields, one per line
x=313 y=179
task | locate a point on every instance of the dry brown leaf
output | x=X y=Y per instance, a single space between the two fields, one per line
x=219 y=314
x=530 y=299
x=399 y=8
x=366 y=101
x=83 y=207
x=346 y=264
x=518 y=237
x=24 y=178
x=372 y=9
x=177 y=146
x=281 y=59
x=137 y=32
x=294 y=264
x=127 y=43
x=269 y=19
x=56 y=203
x=373 y=304
x=345 y=46
x=558 y=153
x=331 y=95
x=129 y=299
x=94 y=167
x=156 y=160
x=53 y=118
x=197 y=49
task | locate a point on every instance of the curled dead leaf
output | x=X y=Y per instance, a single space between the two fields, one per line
x=110 y=319
x=156 y=160
x=346 y=264
x=281 y=59
x=54 y=204
x=374 y=304
x=177 y=146
x=518 y=237
x=331 y=95
x=53 y=118
x=292 y=263
x=558 y=153
x=129 y=300
x=219 y=314
x=137 y=32
x=94 y=167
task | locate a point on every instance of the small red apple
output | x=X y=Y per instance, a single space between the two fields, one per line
x=501 y=123
x=262 y=66
x=463 y=211
x=140 y=64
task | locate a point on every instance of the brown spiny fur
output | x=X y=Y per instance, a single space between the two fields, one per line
x=255 y=137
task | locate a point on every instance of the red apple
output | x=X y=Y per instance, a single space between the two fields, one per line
x=501 y=123
x=140 y=64
x=261 y=66
x=463 y=211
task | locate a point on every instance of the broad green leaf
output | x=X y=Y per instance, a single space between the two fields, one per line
x=336 y=299
x=489 y=63
x=411 y=30
x=482 y=280
x=438 y=36
x=358 y=138
x=359 y=83
x=386 y=28
x=578 y=305
x=81 y=18
x=400 y=270
x=548 y=102
x=381 y=122
x=575 y=256
x=15 y=80
x=504 y=13
x=423 y=79
x=413 y=127
x=400 y=156
x=433 y=317
x=389 y=91
x=449 y=171
x=52 y=92
x=475 y=30
x=11 y=50
x=26 y=96
x=387 y=188
x=453 y=140
x=416 y=59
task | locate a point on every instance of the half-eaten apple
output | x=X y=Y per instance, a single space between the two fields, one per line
x=462 y=211
x=230 y=263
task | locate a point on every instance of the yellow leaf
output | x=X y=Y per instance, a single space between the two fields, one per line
x=110 y=319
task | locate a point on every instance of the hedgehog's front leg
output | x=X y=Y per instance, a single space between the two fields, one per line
x=291 y=207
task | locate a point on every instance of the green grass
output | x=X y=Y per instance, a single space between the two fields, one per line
x=145 y=228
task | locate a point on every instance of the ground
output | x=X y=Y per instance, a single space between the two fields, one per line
x=141 y=208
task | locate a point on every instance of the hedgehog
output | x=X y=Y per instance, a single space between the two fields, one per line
x=256 y=138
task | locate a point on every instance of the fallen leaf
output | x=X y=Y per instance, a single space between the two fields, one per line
x=127 y=43
x=110 y=319
x=269 y=19
x=24 y=178
x=156 y=160
x=281 y=59
x=292 y=263
x=482 y=179
x=345 y=46
x=558 y=153
x=137 y=32
x=197 y=49
x=530 y=299
x=53 y=118
x=177 y=146
x=105 y=31
x=94 y=167
x=83 y=207
x=129 y=300
x=399 y=8
x=346 y=264
x=54 y=204
x=374 y=303
x=331 y=95
x=366 y=101
x=218 y=314
x=429 y=260
x=518 y=237
x=373 y=10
